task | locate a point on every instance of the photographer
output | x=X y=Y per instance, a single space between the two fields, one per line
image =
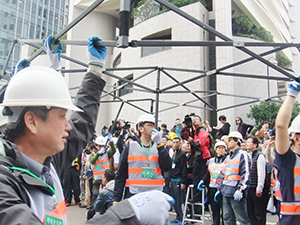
x=126 y=135
x=200 y=148
x=187 y=129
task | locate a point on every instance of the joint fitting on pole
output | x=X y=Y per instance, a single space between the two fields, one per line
x=134 y=43
x=238 y=44
x=211 y=72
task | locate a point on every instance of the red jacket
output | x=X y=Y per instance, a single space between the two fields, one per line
x=201 y=137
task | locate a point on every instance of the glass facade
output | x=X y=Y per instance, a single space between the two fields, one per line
x=28 y=19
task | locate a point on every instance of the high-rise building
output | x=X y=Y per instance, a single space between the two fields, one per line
x=28 y=19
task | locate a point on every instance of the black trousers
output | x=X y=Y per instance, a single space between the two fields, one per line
x=215 y=206
x=257 y=207
x=72 y=182
x=178 y=196
x=199 y=170
x=95 y=192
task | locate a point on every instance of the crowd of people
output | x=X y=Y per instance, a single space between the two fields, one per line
x=131 y=173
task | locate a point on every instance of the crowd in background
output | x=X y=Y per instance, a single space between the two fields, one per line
x=194 y=147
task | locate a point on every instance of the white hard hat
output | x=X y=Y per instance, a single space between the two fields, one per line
x=100 y=140
x=38 y=86
x=145 y=118
x=220 y=143
x=235 y=134
x=295 y=126
x=114 y=139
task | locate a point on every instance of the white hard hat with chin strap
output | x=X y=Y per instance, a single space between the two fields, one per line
x=37 y=86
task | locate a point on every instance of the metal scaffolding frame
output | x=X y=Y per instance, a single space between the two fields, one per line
x=166 y=71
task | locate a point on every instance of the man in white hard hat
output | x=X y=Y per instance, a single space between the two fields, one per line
x=235 y=182
x=100 y=160
x=287 y=159
x=142 y=162
x=36 y=102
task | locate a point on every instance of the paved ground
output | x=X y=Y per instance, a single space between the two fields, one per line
x=77 y=216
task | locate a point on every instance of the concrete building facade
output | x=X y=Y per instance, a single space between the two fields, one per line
x=278 y=17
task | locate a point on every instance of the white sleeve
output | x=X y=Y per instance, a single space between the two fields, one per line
x=261 y=172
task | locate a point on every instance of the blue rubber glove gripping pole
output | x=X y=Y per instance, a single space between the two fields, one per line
x=96 y=54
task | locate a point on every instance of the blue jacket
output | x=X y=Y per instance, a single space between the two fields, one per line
x=105 y=198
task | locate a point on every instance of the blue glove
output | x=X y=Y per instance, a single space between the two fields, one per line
x=54 y=57
x=238 y=195
x=155 y=136
x=151 y=207
x=88 y=173
x=96 y=55
x=200 y=185
x=22 y=64
x=293 y=88
x=217 y=196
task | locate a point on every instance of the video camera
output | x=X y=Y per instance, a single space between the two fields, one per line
x=188 y=130
x=188 y=120
x=126 y=125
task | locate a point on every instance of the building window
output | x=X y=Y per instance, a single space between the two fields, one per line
x=162 y=35
x=117 y=61
x=126 y=89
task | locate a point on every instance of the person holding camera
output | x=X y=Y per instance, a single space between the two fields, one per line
x=142 y=162
x=100 y=160
x=200 y=147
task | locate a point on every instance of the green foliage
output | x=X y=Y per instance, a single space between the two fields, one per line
x=148 y=8
x=144 y=10
x=263 y=34
x=180 y=3
x=260 y=112
x=283 y=62
x=243 y=26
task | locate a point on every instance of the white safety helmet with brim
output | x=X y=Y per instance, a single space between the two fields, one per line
x=295 y=127
x=145 y=118
x=37 y=86
x=236 y=134
x=100 y=140
x=220 y=143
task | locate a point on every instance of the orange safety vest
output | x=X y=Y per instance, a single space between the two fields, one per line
x=231 y=170
x=215 y=172
x=100 y=166
x=137 y=162
x=293 y=208
x=276 y=185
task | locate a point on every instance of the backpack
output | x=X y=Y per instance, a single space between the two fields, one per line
x=211 y=144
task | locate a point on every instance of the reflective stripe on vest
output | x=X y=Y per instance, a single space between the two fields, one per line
x=59 y=213
x=231 y=171
x=277 y=191
x=138 y=160
x=293 y=208
x=215 y=172
x=100 y=166
x=290 y=208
